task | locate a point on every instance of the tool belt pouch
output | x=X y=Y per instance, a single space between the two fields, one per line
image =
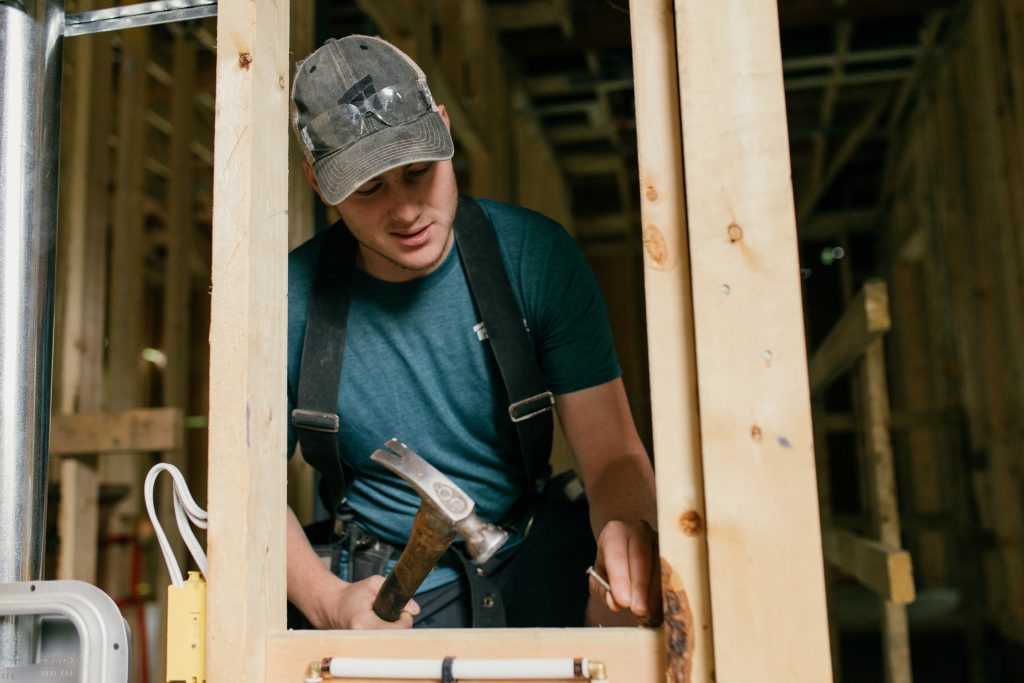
x=545 y=585
x=341 y=540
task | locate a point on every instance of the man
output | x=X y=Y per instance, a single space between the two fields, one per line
x=417 y=365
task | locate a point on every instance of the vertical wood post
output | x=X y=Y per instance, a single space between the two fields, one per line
x=764 y=542
x=879 y=470
x=246 y=537
x=124 y=354
x=78 y=386
x=674 y=410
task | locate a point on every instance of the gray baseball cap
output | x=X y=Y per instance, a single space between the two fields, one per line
x=360 y=107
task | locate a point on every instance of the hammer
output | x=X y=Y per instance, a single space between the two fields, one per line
x=445 y=511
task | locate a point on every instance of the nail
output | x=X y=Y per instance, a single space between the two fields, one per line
x=600 y=579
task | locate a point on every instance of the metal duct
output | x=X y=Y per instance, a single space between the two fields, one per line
x=30 y=66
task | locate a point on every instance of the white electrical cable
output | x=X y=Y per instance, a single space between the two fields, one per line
x=185 y=510
x=470 y=669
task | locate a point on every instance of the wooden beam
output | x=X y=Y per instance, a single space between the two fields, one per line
x=531 y=14
x=124 y=379
x=630 y=654
x=865 y=319
x=144 y=429
x=764 y=549
x=81 y=278
x=883 y=568
x=819 y=141
x=877 y=461
x=672 y=364
x=843 y=153
x=833 y=224
x=247 y=465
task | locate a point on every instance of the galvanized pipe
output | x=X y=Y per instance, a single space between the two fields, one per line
x=30 y=67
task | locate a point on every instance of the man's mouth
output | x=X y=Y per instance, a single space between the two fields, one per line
x=413 y=237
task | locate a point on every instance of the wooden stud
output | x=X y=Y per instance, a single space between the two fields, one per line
x=885 y=569
x=246 y=536
x=630 y=654
x=764 y=549
x=142 y=429
x=998 y=307
x=864 y=320
x=301 y=198
x=878 y=464
x=672 y=364
x=124 y=378
x=82 y=278
x=180 y=236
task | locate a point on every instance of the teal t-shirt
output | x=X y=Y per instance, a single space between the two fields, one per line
x=416 y=367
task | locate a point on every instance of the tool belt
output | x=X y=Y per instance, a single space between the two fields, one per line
x=539 y=583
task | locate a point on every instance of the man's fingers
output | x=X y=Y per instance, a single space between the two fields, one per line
x=639 y=572
x=613 y=557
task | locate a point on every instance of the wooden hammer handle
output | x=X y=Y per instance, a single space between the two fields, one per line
x=430 y=538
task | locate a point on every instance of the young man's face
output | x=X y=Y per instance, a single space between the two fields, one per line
x=403 y=220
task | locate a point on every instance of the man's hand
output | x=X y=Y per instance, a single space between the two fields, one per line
x=350 y=605
x=326 y=600
x=627 y=555
x=619 y=481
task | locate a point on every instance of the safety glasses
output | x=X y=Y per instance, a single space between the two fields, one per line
x=341 y=126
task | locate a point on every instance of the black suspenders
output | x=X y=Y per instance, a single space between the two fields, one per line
x=316 y=415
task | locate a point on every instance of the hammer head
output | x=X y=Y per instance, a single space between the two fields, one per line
x=444 y=499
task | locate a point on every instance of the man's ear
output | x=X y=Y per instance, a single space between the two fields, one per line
x=307 y=169
x=444 y=117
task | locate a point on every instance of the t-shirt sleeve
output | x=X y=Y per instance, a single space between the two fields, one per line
x=563 y=305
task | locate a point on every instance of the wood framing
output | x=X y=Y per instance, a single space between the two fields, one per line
x=144 y=429
x=883 y=568
x=674 y=410
x=78 y=358
x=630 y=654
x=246 y=536
x=746 y=353
x=865 y=319
x=764 y=540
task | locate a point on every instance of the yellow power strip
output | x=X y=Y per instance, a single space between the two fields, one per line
x=186 y=631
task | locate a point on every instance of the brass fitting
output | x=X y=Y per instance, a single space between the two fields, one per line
x=597 y=671
x=313 y=673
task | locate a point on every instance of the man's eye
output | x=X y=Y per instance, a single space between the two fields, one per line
x=417 y=171
x=367 y=190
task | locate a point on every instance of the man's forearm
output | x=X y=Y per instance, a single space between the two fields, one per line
x=623 y=491
x=308 y=578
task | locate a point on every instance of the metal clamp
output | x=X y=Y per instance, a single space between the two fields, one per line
x=315 y=420
x=516 y=408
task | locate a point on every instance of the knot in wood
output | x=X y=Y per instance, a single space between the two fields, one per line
x=654 y=244
x=735 y=233
x=244 y=59
x=691 y=523
x=755 y=433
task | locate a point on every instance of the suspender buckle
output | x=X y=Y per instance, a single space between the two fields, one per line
x=531 y=407
x=315 y=421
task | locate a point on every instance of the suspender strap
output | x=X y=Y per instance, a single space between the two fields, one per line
x=316 y=415
x=530 y=403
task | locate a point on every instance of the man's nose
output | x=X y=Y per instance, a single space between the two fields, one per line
x=406 y=206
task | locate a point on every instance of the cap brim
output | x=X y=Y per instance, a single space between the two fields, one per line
x=425 y=139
